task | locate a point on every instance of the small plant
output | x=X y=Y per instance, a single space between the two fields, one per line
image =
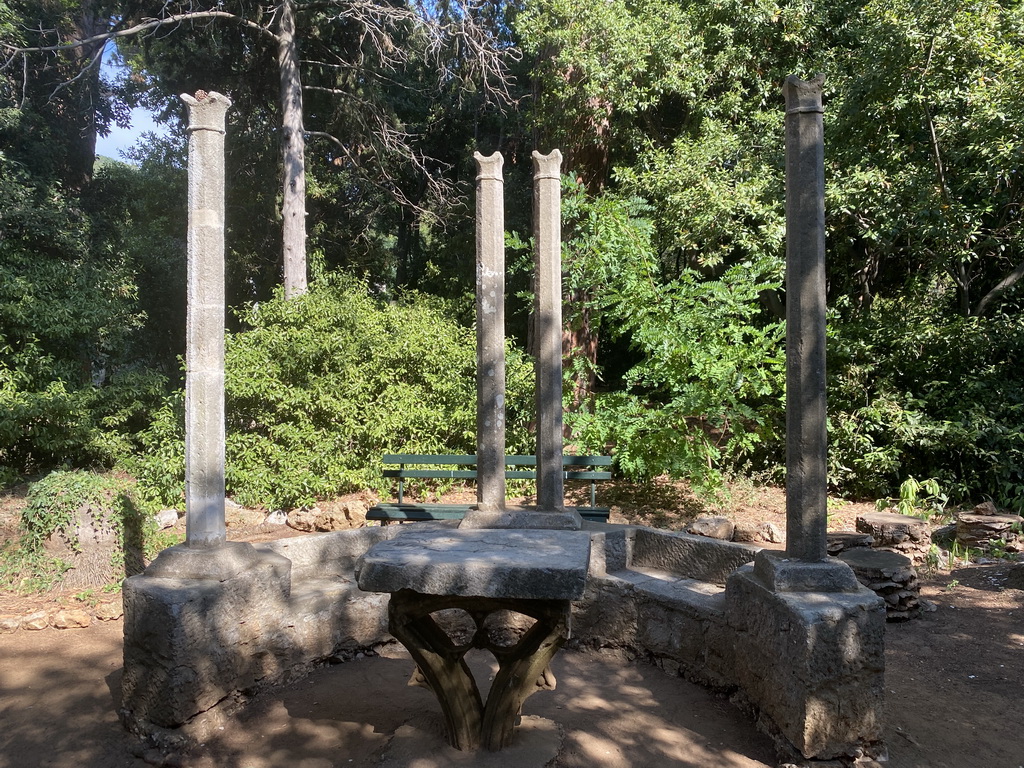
x=933 y=560
x=87 y=596
x=952 y=585
x=917 y=499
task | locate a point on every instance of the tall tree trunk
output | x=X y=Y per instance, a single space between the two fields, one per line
x=293 y=153
x=78 y=127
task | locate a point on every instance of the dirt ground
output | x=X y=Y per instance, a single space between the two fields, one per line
x=954 y=684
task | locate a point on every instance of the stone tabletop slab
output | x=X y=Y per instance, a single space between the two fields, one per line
x=498 y=563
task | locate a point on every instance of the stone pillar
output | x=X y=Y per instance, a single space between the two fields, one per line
x=490 y=333
x=547 y=220
x=806 y=566
x=806 y=439
x=204 y=379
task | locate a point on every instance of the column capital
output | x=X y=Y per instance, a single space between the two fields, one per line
x=547 y=166
x=206 y=111
x=489 y=166
x=803 y=95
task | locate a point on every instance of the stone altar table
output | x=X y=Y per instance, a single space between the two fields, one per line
x=532 y=572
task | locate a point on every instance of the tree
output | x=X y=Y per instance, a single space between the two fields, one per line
x=383 y=31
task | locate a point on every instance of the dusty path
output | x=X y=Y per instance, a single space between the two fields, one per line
x=59 y=690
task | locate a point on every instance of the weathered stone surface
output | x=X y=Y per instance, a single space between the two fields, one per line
x=905 y=534
x=975 y=530
x=610 y=549
x=190 y=643
x=9 y=623
x=109 y=611
x=35 y=621
x=341 y=517
x=713 y=527
x=490 y=332
x=331 y=555
x=764 y=531
x=166 y=518
x=889 y=575
x=806 y=438
x=90 y=550
x=812 y=662
x=781 y=574
x=70 y=618
x=843 y=540
x=694 y=557
x=303 y=519
x=204 y=347
x=521 y=564
x=547 y=324
x=276 y=517
x=218 y=563
x=985 y=508
x=566 y=519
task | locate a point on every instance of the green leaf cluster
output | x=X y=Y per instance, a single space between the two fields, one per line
x=319 y=388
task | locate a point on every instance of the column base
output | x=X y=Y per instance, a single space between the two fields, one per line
x=780 y=574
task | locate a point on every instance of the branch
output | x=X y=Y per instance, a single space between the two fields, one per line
x=1002 y=287
x=143 y=26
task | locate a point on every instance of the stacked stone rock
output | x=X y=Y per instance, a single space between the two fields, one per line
x=910 y=536
x=984 y=525
x=894 y=543
x=840 y=541
x=891 y=576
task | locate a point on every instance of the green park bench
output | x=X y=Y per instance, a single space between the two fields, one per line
x=422 y=467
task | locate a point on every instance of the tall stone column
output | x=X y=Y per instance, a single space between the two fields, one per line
x=806 y=439
x=806 y=566
x=490 y=332
x=204 y=378
x=547 y=227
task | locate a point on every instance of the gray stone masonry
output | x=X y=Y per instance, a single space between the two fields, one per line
x=812 y=662
x=517 y=564
x=806 y=439
x=204 y=351
x=547 y=226
x=490 y=332
x=193 y=640
x=809 y=663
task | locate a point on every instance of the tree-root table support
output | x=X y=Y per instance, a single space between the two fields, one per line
x=523 y=668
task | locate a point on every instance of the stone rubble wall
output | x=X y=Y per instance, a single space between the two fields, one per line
x=808 y=665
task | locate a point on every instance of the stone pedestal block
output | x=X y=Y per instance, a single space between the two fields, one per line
x=812 y=662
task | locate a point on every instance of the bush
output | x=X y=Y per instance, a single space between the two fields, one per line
x=916 y=393
x=59 y=510
x=318 y=388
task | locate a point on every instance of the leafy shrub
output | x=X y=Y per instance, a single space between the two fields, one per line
x=58 y=505
x=708 y=371
x=318 y=388
x=72 y=390
x=915 y=392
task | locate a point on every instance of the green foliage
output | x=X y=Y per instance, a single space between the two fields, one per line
x=320 y=387
x=923 y=499
x=709 y=370
x=913 y=392
x=57 y=505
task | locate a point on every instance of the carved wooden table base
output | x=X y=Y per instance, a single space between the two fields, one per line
x=522 y=668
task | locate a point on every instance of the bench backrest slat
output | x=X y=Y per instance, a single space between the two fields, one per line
x=568 y=460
